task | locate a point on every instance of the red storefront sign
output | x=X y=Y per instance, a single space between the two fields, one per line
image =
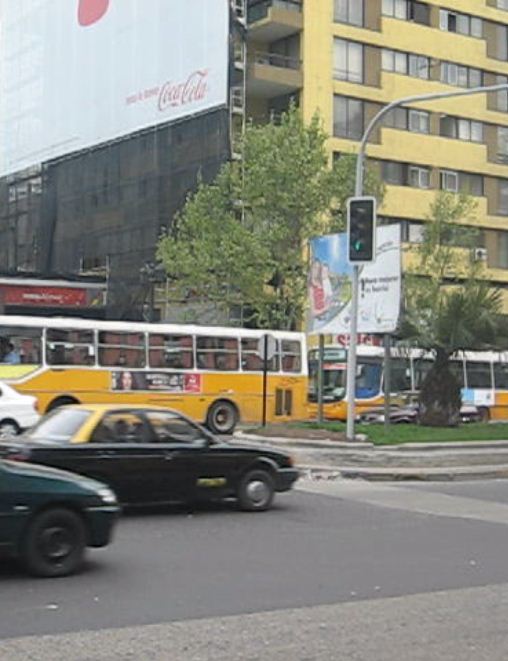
x=65 y=297
x=362 y=338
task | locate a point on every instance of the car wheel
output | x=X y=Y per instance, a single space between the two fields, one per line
x=222 y=417
x=8 y=429
x=54 y=543
x=256 y=491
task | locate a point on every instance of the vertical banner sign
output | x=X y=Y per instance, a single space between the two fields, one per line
x=330 y=290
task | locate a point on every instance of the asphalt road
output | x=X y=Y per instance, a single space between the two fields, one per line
x=369 y=567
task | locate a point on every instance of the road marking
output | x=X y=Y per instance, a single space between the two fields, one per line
x=409 y=500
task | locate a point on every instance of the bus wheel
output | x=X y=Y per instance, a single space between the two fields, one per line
x=61 y=401
x=484 y=413
x=222 y=417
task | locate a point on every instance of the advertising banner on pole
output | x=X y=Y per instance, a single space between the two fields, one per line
x=76 y=73
x=330 y=285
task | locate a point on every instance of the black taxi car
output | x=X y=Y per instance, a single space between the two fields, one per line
x=153 y=455
x=48 y=517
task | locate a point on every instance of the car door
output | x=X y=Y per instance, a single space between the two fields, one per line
x=10 y=518
x=182 y=446
x=120 y=454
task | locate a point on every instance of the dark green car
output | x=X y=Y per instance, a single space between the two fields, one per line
x=48 y=517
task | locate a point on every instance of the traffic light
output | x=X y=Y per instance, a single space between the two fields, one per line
x=361 y=229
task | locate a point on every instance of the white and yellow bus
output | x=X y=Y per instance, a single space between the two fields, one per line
x=212 y=374
x=482 y=375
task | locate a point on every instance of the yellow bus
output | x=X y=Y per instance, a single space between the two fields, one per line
x=482 y=376
x=212 y=374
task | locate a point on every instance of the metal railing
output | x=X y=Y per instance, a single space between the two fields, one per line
x=258 y=11
x=276 y=60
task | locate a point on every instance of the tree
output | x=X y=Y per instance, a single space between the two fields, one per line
x=449 y=307
x=242 y=239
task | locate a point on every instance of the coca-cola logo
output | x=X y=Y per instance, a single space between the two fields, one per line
x=194 y=89
x=91 y=11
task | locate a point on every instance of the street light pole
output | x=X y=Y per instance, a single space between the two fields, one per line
x=351 y=361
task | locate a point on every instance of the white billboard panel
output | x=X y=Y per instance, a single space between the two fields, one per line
x=74 y=73
x=379 y=286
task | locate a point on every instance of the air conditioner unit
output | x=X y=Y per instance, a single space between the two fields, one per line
x=480 y=254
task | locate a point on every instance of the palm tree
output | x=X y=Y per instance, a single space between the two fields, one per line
x=449 y=306
x=466 y=319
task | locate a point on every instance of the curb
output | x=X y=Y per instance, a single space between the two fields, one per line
x=457 y=473
x=368 y=445
x=306 y=442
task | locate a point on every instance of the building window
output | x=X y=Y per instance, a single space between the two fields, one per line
x=417 y=121
x=347 y=118
x=404 y=174
x=502 y=250
x=410 y=231
x=461 y=129
x=502 y=95
x=460 y=76
x=347 y=61
x=503 y=197
x=405 y=63
x=502 y=4
x=502 y=42
x=471 y=184
x=502 y=143
x=452 y=21
x=349 y=11
x=449 y=181
x=419 y=177
x=407 y=10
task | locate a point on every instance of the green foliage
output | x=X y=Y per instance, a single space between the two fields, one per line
x=448 y=306
x=401 y=433
x=242 y=239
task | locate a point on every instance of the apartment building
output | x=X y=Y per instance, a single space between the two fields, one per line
x=348 y=58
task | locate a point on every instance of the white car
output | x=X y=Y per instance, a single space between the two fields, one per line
x=17 y=412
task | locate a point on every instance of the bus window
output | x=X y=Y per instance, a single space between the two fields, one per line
x=421 y=367
x=457 y=369
x=252 y=361
x=121 y=349
x=291 y=356
x=70 y=347
x=217 y=353
x=334 y=383
x=400 y=375
x=368 y=380
x=173 y=351
x=478 y=375
x=19 y=345
x=501 y=376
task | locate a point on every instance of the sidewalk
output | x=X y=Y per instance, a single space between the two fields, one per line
x=410 y=461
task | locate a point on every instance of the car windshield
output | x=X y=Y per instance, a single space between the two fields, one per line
x=59 y=426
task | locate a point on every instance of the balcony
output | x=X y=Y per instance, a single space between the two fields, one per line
x=270 y=20
x=271 y=74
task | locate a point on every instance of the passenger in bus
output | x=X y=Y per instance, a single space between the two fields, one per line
x=12 y=356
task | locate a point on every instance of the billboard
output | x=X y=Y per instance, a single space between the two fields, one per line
x=75 y=73
x=330 y=285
